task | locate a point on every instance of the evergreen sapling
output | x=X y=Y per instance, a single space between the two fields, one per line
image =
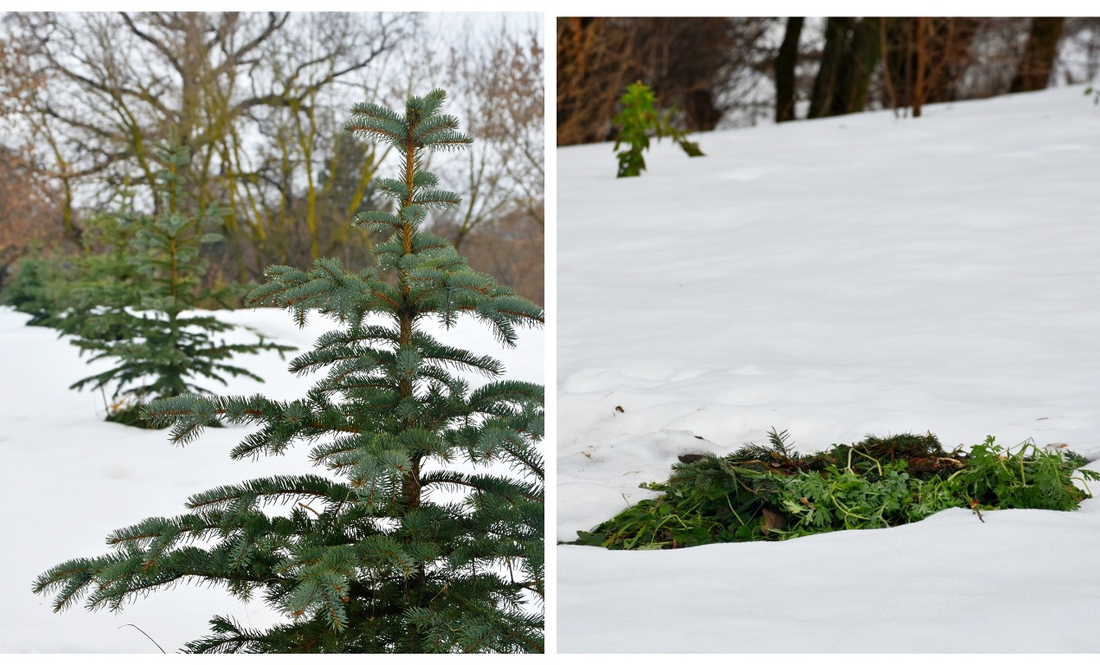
x=372 y=555
x=32 y=291
x=132 y=303
x=76 y=294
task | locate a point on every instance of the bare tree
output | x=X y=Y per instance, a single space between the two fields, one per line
x=259 y=101
x=289 y=199
x=30 y=218
x=498 y=83
x=116 y=84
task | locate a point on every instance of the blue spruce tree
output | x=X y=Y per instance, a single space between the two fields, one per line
x=370 y=556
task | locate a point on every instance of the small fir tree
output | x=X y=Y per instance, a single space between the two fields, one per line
x=132 y=303
x=92 y=306
x=33 y=290
x=370 y=557
x=71 y=293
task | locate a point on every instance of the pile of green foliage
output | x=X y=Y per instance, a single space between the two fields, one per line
x=773 y=493
x=637 y=121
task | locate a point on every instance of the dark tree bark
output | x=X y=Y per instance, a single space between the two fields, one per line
x=1034 y=70
x=784 y=70
x=921 y=49
x=832 y=56
x=853 y=49
x=899 y=37
x=864 y=53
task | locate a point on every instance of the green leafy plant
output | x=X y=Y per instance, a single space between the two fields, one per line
x=372 y=553
x=771 y=492
x=1094 y=92
x=1028 y=477
x=637 y=121
x=132 y=304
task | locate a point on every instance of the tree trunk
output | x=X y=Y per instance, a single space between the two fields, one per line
x=921 y=64
x=836 y=45
x=853 y=49
x=784 y=70
x=854 y=79
x=898 y=56
x=1034 y=70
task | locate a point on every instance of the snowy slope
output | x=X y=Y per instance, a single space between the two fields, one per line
x=834 y=278
x=70 y=478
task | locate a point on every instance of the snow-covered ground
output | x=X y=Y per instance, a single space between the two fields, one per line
x=834 y=278
x=70 y=478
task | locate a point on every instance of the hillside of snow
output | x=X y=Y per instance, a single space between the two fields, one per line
x=71 y=478
x=864 y=274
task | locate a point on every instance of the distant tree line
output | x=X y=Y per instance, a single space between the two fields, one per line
x=256 y=99
x=735 y=71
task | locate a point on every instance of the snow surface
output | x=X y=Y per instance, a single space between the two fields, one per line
x=834 y=278
x=70 y=478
